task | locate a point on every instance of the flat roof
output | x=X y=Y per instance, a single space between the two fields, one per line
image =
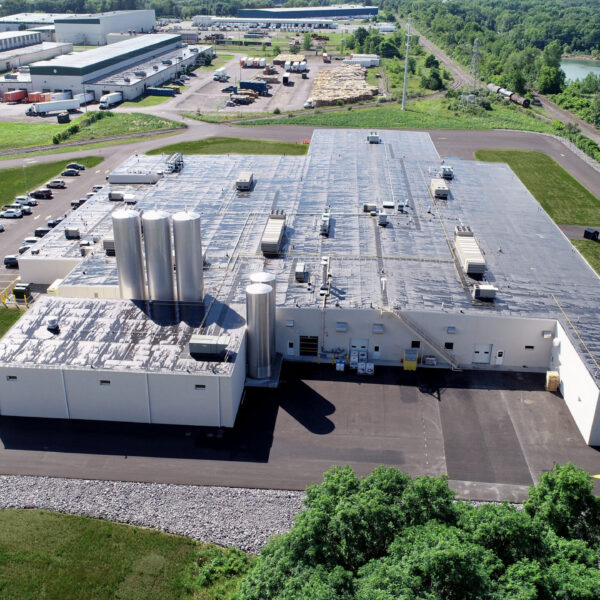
x=24 y=51
x=537 y=271
x=81 y=63
x=97 y=17
x=8 y=35
x=40 y=18
x=354 y=7
x=117 y=335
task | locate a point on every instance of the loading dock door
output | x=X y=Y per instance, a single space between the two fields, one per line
x=359 y=345
x=482 y=354
x=309 y=345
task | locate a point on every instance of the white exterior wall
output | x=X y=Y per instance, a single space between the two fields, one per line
x=577 y=387
x=94 y=34
x=510 y=335
x=111 y=292
x=233 y=387
x=22 y=38
x=34 y=393
x=123 y=399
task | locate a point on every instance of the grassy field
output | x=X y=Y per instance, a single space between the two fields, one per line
x=591 y=251
x=220 y=61
x=426 y=114
x=8 y=317
x=15 y=135
x=50 y=556
x=146 y=101
x=561 y=196
x=14 y=179
x=226 y=145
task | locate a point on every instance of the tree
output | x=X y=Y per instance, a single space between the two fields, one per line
x=550 y=80
x=432 y=62
x=360 y=35
x=306 y=42
x=388 y=50
x=433 y=82
x=564 y=499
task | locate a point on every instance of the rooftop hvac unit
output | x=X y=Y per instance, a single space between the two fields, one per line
x=108 y=245
x=272 y=237
x=438 y=188
x=244 y=180
x=469 y=255
x=373 y=138
x=463 y=231
x=484 y=291
x=72 y=234
x=126 y=79
x=325 y=223
x=140 y=73
x=301 y=273
x=208 y=346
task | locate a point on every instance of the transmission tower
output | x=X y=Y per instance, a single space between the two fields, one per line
x=406 y=65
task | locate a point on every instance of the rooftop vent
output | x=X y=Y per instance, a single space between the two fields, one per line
x=463 y=230
x=484 y=291
x=205 y=347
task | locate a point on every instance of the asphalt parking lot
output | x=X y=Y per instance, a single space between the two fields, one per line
x=492 y=433
x=16 y=230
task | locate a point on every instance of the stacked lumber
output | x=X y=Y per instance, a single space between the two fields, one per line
x=346 y=82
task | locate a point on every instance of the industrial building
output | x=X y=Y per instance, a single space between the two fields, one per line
x=311 y=12
x=19 y=48
x=286 y=24
x=91 y=30
x=172 y=289
x=29 y=20
x=129 y=66
x=83 y=29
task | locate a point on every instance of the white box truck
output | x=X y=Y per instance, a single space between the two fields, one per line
x=112 y=99
x=43 y=108
x=85 y=97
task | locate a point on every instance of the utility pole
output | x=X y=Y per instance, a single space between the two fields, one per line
x=406 y=65
x=475 y=62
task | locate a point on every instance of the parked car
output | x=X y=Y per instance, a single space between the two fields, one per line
x=40 y=232
x=2 y=228
x=26 y=210
x=89 y=195
x=24 y=248
x=42 y=194
x=70 y=173
x=56 y=183
x=229 y=88
x=184 y=77
x=97 y=188
x=54 y=222
x=11 y=261
x=26 y=200
x=29 y=241
x=11 y=214
x=77 y=166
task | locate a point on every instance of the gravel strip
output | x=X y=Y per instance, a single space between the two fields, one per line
x=240 y=517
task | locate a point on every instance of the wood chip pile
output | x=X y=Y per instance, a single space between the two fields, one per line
x=346 y=82
x=281 y=59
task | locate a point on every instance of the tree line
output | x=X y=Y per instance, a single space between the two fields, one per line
x=388 y=537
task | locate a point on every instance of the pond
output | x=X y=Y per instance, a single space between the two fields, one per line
x=578 y=69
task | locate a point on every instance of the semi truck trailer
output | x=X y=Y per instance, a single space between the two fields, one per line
x=110 y=100
x=43 y=108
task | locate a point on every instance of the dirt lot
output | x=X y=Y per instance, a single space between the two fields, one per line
x=207 y=96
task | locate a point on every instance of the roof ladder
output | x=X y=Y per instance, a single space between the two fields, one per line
x=425 y=337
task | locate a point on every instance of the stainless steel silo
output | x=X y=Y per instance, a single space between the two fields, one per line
x=128 y=249
x=159 y=256
x=260 y=325
x=187 y=239
x=269 y=279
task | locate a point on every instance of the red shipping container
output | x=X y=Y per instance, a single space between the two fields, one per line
x=14 y=96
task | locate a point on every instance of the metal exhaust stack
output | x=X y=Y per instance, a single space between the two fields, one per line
x=269 y=279
x=128 y=249
x=187 y=238
x=159 y=256
x=260 y=330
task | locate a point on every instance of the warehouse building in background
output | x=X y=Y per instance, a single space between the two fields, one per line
x=186 y=279
x=19 y=48
x=30 y=20
x=129 y=66
x=91 y=30
x=311 y=12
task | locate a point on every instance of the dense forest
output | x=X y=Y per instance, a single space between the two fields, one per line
x=390 y=537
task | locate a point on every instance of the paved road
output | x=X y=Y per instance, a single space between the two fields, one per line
x=492 y=433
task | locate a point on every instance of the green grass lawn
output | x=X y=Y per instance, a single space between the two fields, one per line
x=220 y=61
x=591 y=251
x=562 y=196
x=146 y=101
x=14 y=178
x=226 y=145
x=8 y=317
x=425 y=114
x=15 y=135
x=50 y=556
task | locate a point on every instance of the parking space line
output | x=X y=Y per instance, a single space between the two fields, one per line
x=36 y=217
x=49 y=217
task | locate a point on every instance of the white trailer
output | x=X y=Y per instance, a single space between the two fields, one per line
x=112 y=99
x=85 y=97
x=43 y=108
